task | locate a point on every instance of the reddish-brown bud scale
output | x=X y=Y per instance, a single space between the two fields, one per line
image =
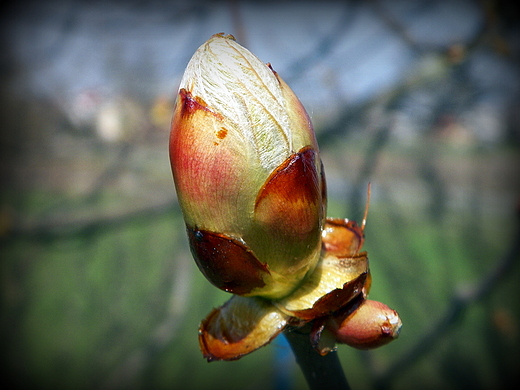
x=342 y=237
x=288 y=203
x=225 y=262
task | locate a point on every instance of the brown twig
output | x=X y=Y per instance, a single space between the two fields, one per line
x=321 y=372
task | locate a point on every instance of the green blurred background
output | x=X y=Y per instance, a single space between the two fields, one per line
x=421 y=99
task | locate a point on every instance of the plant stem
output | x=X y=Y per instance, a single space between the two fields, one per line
x=321 y=372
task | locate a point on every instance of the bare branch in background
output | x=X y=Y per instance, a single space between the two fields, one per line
x=135 y=365
x=324 y=46
x=459 y=304
x=66 y=228
x=380 y=135
x=397 y=27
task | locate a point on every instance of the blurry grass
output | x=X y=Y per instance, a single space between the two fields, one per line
x=419 y=279
x=76 y=306
x=77 y=309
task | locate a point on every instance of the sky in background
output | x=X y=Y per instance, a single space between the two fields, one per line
x=347 y=49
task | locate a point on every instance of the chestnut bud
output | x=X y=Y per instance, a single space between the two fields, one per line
x=247 y=173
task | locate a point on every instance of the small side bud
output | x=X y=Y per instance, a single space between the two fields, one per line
x=371 y=325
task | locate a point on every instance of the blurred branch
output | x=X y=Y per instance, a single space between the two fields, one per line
x=324 y=46
x=420 y=48
x=112 y=171
x=424 y=72
x=371 y=159
x=459 y=304
x=131 y=370
x=46 y=231
x=436 y=186
x=396 y=26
